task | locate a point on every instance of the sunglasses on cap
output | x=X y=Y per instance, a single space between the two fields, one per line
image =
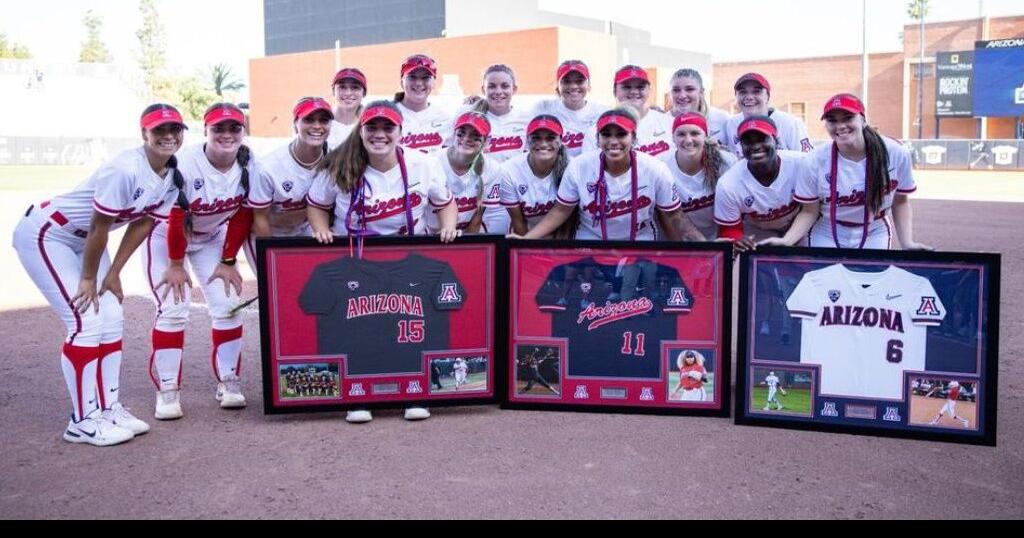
x=413 y=63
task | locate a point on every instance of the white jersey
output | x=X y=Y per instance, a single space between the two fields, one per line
x=508 y=136
x=865 y=329
x=214 y=197
x=717 y=120
x=384 y=210
x=461 y=366
x=698 y=200
x=521 y=188
x=768 y=211
x=468 y=189
x=425 y=131
x=496 y=217
x=816 y=186
x=772 y=381
x=792 y=133
x=282 y=189
x=654 y=190
x=579 y=126
x=339 y=133
x=125 y=188
x=654 y=134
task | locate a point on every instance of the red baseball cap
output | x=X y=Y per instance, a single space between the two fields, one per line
x=224 y=113
x=621 y=120
x=309 y=105
x=381 y=111
x=631 y=73
x=350 y=73
x=542 y=123
x=690 y=118
x=419 y=61
x=753 y=77
x=162 y=116
x=475 y=120
x=844 y=101
x=573 y=66
x=761 y=124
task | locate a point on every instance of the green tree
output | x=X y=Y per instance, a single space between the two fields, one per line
x=94 y=50
x=222 y=80
x=12 y=50
x=152 y=42
x=918 y=9
x=190 y=95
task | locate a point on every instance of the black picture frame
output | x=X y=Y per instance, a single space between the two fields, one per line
x=493 y=351
x=851 y=413
x=606 y=402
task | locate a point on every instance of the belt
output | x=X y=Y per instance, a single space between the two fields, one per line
x=60 y=220
x=847 y=224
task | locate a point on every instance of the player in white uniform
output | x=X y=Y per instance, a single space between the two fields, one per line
x=654 y=131
x=752 y=95
x=853 y=185
x=278 y=196
x=865 y=329
x=374 y=187
x=349 y=89
x=618 y=191
x=206 y=238
x=427 y=126
x=62 y=243
x=773 y=387
x=689 y=96
x=468 y=172
x=577 y=115
x=949 y=408
x=460 y=368
x=754 y=199
x=529 y=183
x=696 y=165
x=692 y=376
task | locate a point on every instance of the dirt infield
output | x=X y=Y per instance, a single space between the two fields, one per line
x=499 y=464
x=923 y=410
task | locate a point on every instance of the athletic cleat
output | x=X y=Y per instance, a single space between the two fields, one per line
x=416 y=413
x=359 y=416
x=121 y=417
x=168 y=405
x=766 y=408
x=229 y=393
x=96 y=430
x=966 y=423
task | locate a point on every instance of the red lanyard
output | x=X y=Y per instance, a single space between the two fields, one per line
x=834 y=201
x=602 y=197
x=357 y=205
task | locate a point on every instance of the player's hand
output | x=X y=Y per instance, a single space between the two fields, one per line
x=919 y=246
x=449 y=235
x=231 y=277
x=86 y=296
x=112 y=283
x=175 y=279
x=513 y=236
x=783 y=391
x=773 y=242
x=323 y=237
x=744 y=244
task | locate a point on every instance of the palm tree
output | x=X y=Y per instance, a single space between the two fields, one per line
x=221 y=77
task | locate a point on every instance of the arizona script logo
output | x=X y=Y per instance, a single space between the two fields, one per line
x=612 y=312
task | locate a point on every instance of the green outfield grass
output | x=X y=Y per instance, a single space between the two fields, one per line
x=42 y=178
x=797 y=401
x=673 y=380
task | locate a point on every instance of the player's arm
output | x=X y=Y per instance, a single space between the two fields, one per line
x=547 y=226
x=477 y=221
x=261 y=222
x=95 y=245
x=903 y=219
x=320 y=221
x=137 y=232
x=801 y=226
x=447 y=219
x=518 y=220
x=678 y=226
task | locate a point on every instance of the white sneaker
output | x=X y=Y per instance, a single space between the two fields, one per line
x=168 y=405
x=359 y=416
x=766 y=408
x=966 y=423
x=97 y=431
x=121 y=417
x=416 y=413
x=229 y=393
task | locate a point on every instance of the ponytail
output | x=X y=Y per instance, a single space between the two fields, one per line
x=346 y=163
x=713 y=163
x=179 y=183
x=399 y=97
x=878 y=169
x=568 y=228
x=244 y=156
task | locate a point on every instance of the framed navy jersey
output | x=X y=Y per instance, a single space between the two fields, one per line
x=878 y=342
x=630 y=327
x=392 y=326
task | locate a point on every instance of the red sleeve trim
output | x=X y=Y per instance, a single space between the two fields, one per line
x=733 y=232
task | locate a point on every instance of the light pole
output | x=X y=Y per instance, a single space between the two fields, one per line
x=920 y=79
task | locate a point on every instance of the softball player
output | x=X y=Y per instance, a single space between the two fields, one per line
x=692 y=375
x=619 y=192
x=752 y=95
x=468 y=172
x=62 y=245
x=206 y=238
x=460 y=369
x=689 y=96
x=366 y=181
x=529 y=183
x=773 y=387
x=754 y=199
x=696 y=166
x=950 y=407
x=856 y=188
x=577 y=115
x=427 y=126
x=349 y=89
x=654 y=131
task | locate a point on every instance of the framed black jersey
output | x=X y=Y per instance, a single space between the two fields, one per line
x=410 y=322
x=622 y=327
x=877 y=342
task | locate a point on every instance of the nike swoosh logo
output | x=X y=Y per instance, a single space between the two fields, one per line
x=435 y=125
x=166 y=380
x=659 y=134
x=414 y=285
x=113 y=390
x=891 y=297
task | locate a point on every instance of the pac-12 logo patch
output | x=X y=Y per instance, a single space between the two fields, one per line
x=523 y=189
x=586 y=287
x=198 y=184
x=834 y=295
x=591 y=188
x=287 y=186
x=678 y=297
x=353 y=285
x=137 y=194
x=449 y=293
x=749 y=201
x=928 y=307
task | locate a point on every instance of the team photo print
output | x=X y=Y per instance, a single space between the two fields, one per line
x=691 y=378
x=309 y=382
x=538 y=370
x=460 y=373
x=871 y=330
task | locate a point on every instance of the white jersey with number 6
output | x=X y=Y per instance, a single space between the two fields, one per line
x=865 y=329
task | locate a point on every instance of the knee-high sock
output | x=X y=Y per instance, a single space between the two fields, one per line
x=108 y=374
x=165 y=362
x=79 y=366
x=226 y=357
